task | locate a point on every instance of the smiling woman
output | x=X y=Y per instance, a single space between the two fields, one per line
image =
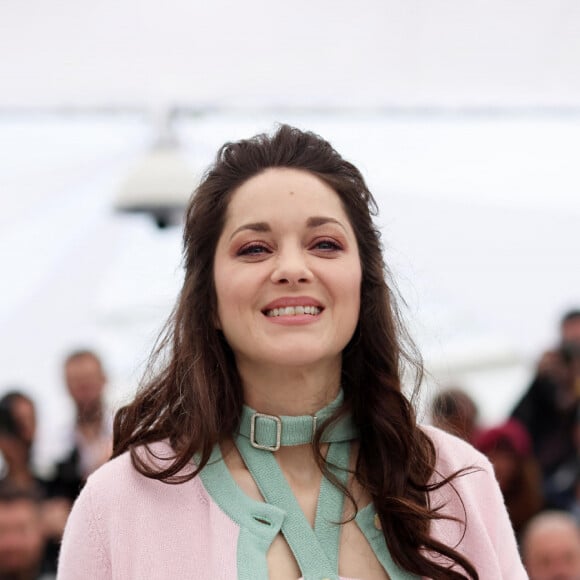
x=272 y=439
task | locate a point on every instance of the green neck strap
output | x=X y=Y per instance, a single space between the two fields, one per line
x=270 y=432
x=315 y=549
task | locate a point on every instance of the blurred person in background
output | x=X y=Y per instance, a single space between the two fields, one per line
x=549 y=411
x=508 y=447
x=21 y=533
x=17 y=430
x=17 y=435
x=574 y=507
x=551 y=547
x=454 y=411
x=24 y=412
x=91 y=441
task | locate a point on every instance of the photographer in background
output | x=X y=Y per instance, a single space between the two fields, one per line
x=91 y=437
x=549 y=411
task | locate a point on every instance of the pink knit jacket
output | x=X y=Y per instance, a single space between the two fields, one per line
x=127 y=527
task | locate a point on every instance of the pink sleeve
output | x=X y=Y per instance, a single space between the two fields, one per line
x=487 y=540
x=499 y=527
x=83 y=554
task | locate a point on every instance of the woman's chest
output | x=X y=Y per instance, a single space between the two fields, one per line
x=329 y=534
x=356 y=558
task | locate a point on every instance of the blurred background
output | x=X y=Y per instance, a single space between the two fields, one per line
x=463 y=116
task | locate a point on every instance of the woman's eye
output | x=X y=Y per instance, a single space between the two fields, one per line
x=252 y=250
x=327 y=245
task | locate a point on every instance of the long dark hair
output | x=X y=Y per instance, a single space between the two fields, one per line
x=193 y=396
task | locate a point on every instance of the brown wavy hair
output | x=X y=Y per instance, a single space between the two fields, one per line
x=192 y=395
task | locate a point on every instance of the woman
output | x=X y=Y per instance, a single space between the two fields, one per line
x=276 y=411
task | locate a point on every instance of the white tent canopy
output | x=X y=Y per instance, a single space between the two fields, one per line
x=372 y=53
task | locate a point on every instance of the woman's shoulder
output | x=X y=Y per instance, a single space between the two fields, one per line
x=453 y=452
x=120 y=478
x=122 y=465
x=132 y=524
x=473 y=477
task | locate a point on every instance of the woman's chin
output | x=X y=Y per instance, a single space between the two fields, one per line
x=303 y=358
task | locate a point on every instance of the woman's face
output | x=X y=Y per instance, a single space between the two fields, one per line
x=287 y=272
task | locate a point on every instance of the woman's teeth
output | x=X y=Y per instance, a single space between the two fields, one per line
x=293 y=311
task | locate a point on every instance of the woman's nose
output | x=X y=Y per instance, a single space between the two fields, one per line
x=291 y=267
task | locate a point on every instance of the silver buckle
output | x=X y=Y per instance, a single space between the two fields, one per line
x=276 y=420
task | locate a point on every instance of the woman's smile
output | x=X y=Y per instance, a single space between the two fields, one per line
x=293 y=310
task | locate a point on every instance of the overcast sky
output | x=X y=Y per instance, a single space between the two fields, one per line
x=373 y=53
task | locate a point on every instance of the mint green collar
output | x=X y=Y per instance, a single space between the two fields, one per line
x=270 y=432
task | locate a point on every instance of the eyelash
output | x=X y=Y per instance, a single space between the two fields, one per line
x=335 y=246
x=250 y=249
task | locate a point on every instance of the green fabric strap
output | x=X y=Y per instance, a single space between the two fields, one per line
x=329 y=511
x=316 y=550
x=270 y=432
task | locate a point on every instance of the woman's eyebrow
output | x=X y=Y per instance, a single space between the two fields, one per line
x=316 y=221
x=255 y=227
x=311 y=222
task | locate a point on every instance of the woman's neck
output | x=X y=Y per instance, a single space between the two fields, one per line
x=289 y=391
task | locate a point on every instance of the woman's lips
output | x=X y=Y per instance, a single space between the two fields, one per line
x=299 y=309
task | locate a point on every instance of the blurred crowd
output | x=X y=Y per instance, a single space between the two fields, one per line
x=34 y=508
x=535 y=454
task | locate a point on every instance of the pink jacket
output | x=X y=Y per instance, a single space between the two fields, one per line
x=127 y=527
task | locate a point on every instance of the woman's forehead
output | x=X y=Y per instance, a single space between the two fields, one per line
x=280 y=193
